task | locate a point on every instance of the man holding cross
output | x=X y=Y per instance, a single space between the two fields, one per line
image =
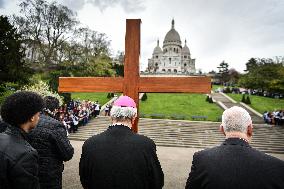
x=119 y=158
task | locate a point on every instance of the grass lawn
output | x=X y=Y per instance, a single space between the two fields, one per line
x=180 y=104
x=101 y=97
x=260 y=103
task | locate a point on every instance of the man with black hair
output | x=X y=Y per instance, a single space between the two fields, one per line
x=19 y=160
x=49 y=138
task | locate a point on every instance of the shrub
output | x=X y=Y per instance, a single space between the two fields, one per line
x=6 y=89
x=4 y=95
x=244 y=98
x=207 y=98
x=157 y=116
x=210 y=100
x=144 y=97
x=248 y=100
x=108 y=95
x=227 y=90
x=43 y=89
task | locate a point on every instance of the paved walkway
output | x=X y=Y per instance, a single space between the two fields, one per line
x=176 y=163
x=228 y=103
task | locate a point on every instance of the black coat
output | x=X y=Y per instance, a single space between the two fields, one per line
x=49 y=138
x=3 y=126
x=119 y=158
x=235 y=165
x=18 y=161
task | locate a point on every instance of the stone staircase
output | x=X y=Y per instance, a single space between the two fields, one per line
x=219 y=97
x=189 y=134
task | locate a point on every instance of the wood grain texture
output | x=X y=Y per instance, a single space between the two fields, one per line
x=175 y=84
x=90 y=84
x=131 y=63
x=132 y=84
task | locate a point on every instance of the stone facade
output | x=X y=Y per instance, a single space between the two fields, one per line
x=173 y=59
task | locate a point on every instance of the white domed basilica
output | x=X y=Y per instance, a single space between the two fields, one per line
x=173 y=59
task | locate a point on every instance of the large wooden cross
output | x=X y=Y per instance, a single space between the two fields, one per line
x=132 y=83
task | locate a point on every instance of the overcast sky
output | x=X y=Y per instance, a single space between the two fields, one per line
x=215 y=30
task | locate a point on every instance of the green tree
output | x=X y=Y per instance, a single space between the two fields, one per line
x=251 y=64
x=223 y=72
x=233 y=76
x=92 y=43
x=12 y=66
x=266 y=75
x=98 y=66
x=45 y=27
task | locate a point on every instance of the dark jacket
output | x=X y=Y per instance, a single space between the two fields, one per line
x=3 y=126
x=49 y=138
x=18 y=161
x=119 y=158
x=235 y=165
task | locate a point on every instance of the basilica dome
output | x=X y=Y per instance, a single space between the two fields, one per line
x=185 y=49
x=157 y=49
x=172 y=37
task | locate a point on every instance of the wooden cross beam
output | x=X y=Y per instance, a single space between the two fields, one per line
x=132 y=83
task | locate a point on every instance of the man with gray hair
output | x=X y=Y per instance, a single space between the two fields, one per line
x=235 y=164
x=119 y=158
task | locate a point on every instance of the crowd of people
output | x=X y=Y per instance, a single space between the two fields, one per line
x=34 y=145
x=76 y=113
x=274 y=118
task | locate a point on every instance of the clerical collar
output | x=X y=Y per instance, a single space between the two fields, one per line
x=244 y=140
x=239 y=138
x=118 y=124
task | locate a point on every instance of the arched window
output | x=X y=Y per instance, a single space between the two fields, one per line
x=175 y=71
x=163 y=70
x=169 y=70
x=170 y=60
x=157 y=56
x=156 y=64
x=184 y=65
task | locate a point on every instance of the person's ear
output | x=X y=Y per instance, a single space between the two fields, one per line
x=33 y=118
x=221 y=128
x=250 y=131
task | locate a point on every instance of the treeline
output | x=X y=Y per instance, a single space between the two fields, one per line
x=46 y=41
x=262 y=74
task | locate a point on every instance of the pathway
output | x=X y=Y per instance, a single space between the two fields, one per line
x=228 y=103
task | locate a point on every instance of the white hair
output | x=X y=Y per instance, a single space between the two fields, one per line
x=236 y=119
x=122 y=113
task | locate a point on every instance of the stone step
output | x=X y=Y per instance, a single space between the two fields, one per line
x=168 y=128
x=203 y=141
x=208 y=133
x=188 y=133
x=171 y=124
x=267 y=149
